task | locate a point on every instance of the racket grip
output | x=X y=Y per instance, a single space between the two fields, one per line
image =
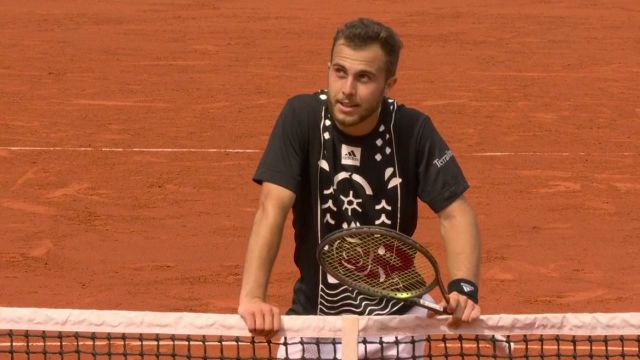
x=435 y=308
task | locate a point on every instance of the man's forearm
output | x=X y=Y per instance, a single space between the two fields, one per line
x=264 y=241
x=461 y=237
x=262 y=250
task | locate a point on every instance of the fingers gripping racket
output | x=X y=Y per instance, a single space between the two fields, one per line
x=382 y=262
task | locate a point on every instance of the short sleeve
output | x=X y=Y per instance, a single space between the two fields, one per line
x=282 y=160
x=440 y=177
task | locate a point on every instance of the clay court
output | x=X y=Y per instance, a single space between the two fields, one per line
x=129 y=133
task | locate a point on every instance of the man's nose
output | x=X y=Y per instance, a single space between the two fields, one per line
x=349 y=86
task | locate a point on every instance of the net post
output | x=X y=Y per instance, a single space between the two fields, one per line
x=350 y=332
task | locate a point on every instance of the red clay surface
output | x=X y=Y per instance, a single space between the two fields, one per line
x=551 y=87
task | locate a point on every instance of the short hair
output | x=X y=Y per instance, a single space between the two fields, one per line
x=363 y=32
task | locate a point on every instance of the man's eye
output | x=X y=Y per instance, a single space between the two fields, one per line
x=364 y=77
x=340 y=72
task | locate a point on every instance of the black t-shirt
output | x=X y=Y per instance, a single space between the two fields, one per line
x=344 y=181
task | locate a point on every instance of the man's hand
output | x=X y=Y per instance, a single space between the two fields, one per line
x=462 y=310
x=262 y=319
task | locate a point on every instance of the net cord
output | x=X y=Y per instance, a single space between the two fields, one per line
x=183 y=323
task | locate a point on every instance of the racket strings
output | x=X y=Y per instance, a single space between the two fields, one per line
x=381 y=263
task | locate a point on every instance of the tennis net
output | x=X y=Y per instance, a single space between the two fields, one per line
x=36 y=333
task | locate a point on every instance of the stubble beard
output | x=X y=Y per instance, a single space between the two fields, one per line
x=348 y=121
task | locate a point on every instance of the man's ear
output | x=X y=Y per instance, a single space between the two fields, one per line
x=391 y=82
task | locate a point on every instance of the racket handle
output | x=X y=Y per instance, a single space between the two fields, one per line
x=431 y=306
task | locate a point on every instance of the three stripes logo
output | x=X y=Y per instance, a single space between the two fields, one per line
x=351 y=155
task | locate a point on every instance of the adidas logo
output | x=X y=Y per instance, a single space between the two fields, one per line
x=351 y=155
x=467 y=288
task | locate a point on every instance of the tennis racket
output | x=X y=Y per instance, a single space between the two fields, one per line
x=384 y=263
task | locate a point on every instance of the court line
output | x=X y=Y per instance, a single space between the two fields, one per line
x=552 y=154
x=222 y=150
x=30 y=148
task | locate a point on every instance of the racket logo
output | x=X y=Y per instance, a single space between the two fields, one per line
x=377 y=264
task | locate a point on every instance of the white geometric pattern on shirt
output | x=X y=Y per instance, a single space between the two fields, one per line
x=353 y=191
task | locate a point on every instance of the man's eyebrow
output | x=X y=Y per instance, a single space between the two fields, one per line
x=358 y=72
x=365 y=72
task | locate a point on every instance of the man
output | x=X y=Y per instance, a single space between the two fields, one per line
x=351 y=156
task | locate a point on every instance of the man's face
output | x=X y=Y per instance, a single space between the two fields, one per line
x=356 y=85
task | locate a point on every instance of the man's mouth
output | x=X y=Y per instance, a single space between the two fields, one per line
x=347 y=105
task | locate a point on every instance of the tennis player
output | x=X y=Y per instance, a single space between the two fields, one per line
x=347 y=156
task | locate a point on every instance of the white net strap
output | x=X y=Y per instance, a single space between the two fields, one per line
x=183 y=323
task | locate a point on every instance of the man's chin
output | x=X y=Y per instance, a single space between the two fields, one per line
x=347 y=122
